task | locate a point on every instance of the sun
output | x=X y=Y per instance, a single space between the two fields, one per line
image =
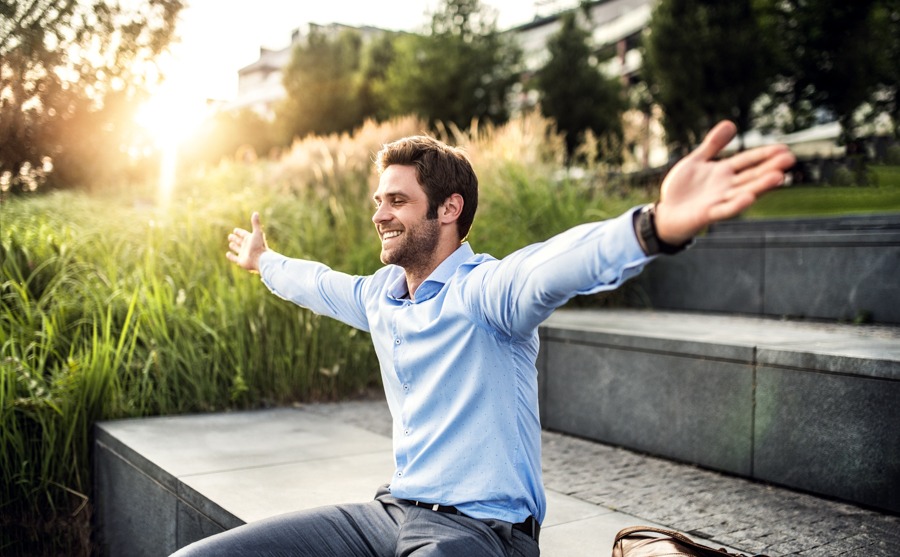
x=170 y=117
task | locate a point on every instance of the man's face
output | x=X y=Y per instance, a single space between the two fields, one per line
x=408 y=238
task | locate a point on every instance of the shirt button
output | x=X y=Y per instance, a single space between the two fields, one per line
x=406 y=387
x=399 y=474
x=396 y=341
x=406 y=432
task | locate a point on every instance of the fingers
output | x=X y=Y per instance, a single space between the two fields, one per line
x=236 y=239
x=759 y=185
x=768 y=174
x=762 y=155
x=732 y=207
x=239 y=234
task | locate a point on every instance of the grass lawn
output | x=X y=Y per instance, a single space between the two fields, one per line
x=795 y=201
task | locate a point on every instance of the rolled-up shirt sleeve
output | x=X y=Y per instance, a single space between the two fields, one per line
x=522 y=290
x=316 y=287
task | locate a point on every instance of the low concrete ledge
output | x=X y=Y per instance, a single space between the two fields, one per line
x=824 y=268
x=162 y=483
x=804 y=405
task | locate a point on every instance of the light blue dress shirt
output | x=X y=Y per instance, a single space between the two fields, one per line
x=458 y=361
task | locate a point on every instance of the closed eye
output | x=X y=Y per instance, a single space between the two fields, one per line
x=392 y=200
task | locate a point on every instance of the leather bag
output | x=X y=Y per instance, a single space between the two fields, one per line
x=647 y=541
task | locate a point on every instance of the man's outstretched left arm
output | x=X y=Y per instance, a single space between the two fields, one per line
x=519 y=292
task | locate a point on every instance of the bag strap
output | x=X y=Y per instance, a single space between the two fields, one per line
x=672 y=534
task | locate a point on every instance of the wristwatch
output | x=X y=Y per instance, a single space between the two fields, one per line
x=645 y=226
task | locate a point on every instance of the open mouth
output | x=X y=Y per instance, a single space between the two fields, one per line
x=390 y=235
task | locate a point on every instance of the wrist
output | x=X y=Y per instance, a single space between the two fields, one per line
x=256 y=260
x=648 y=235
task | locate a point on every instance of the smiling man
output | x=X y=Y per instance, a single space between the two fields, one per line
x=456 y=337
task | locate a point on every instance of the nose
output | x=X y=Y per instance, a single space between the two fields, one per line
x=381 y=214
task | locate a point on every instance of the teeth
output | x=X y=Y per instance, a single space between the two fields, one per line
x=392 y=234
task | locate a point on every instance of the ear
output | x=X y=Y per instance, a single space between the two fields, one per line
x=450 y=209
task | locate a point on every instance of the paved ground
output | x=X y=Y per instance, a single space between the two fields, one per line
x=731 y=511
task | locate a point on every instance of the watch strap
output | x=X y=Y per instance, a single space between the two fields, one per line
x=645 y=226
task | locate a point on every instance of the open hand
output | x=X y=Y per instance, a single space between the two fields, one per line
x=246 y=247
x=699 y=190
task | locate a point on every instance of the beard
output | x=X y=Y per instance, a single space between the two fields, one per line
x=416 y=246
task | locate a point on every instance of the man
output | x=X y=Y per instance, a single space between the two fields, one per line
x=456 y=338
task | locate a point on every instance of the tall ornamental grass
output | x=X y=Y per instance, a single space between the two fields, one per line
x=122 y=305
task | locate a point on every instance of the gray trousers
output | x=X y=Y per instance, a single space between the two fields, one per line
x=384 y=527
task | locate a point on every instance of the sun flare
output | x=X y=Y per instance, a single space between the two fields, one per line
x=170 y=117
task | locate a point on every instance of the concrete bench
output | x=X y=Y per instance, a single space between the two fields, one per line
x=809 y=406
x=162 y=483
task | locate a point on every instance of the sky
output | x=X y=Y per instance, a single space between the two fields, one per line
x=217 y=37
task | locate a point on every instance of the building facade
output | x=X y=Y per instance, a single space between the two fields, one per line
x=616 y=28
x=260 y=85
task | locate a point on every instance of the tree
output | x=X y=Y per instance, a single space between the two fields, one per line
x=72 y=73
x=834 y=57
x=320 y=80
x=377 y=57
x=463 y=69
x=704 y=61
x=887 y=96
x=573 y=90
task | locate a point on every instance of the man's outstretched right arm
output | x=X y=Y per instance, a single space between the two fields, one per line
x=306 y=283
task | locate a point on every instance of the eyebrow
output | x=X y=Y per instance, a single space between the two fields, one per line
x=389 y=195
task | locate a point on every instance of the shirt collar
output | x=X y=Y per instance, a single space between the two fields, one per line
x=399 y=290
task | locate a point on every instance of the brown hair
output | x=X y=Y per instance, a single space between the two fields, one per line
x=441 y=170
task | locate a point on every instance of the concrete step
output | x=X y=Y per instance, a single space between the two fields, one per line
x=842 y=268
x=806 y=405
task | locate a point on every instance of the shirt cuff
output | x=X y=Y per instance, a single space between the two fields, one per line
x=267 y=261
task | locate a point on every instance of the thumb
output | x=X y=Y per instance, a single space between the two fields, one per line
x=254 y=222
x=716 y=140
